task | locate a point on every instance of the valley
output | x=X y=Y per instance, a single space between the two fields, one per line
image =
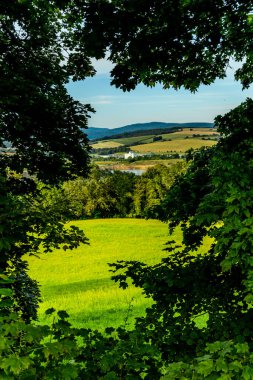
x=150 y=149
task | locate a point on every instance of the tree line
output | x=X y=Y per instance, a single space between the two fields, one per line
x=106 y=194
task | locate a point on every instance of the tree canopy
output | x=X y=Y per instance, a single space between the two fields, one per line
x=38 y=118
x=42 y=127
x=177 y=43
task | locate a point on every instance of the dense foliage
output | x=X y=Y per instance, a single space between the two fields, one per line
x=105 y=193
x=200 y=325
x=177 y=43
x=41 y=123
x=152 y=187
x=206 y=296
x=38 y=117
x=63 y=352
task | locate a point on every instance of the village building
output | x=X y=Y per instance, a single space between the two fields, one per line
x=130 y=154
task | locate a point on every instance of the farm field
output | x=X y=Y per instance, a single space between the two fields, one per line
x=136 y=139
x=180 y=135
x=79 y=281
x=176 y=142
x=197 y=131
x=178 y=146
x=106 y=144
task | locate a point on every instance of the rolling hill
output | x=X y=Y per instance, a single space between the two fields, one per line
x=156 y=141
x=101 y=133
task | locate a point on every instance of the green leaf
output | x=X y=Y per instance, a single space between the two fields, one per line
x=109 y=330
x=221 y=365
x=226 y=264
x=110 y=376
x=224 y=376
x=4 y=343
x=6 y=302
x=236 y=366
x=14 y=364
x=6 y=292
x=69 y=372
x=247 y=373
x=242 y=348
x=205 y=367
x=5 y=279
x=50 y=311
x=63 y=314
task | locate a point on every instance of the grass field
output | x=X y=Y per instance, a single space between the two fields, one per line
x=79 y=281
x=181 y=135
x=178 y=146
x=196 y=131
x=107 y=144
x=136 y=139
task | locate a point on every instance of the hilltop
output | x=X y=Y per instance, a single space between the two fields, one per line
x=102 y=133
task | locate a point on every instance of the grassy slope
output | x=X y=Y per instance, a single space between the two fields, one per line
x=187 y=132
x=196 y=131
x=136 y=139
x=179 y=146
x=177 y=142
x=79 y=281
x=107 y=144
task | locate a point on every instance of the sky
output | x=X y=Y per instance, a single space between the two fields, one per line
x=115 y=108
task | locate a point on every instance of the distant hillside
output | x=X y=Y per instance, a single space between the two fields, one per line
x=96 y=133
x=99 y=133
x=140 y=132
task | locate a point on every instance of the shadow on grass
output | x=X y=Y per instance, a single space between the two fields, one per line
x=79 y=286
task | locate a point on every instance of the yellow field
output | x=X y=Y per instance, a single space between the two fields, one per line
x=106 y=144
x=179 y=146
x=186 y=132
x=196 y=131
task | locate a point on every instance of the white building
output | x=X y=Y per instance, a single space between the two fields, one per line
x=130 y=155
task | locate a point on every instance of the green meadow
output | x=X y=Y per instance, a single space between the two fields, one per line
x=79 y=281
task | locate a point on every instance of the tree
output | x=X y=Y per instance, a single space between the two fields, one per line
x=38 y=117
x=103 y=194
x=43 y=125
x=152 y=186
x=183 y=43
x=212 y=199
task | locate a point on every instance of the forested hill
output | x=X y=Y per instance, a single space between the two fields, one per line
x=98 y=133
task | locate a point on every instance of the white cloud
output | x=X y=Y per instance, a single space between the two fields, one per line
x=100 y=99
x=102 y=66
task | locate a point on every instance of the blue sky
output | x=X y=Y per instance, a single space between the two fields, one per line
x=115 y=108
